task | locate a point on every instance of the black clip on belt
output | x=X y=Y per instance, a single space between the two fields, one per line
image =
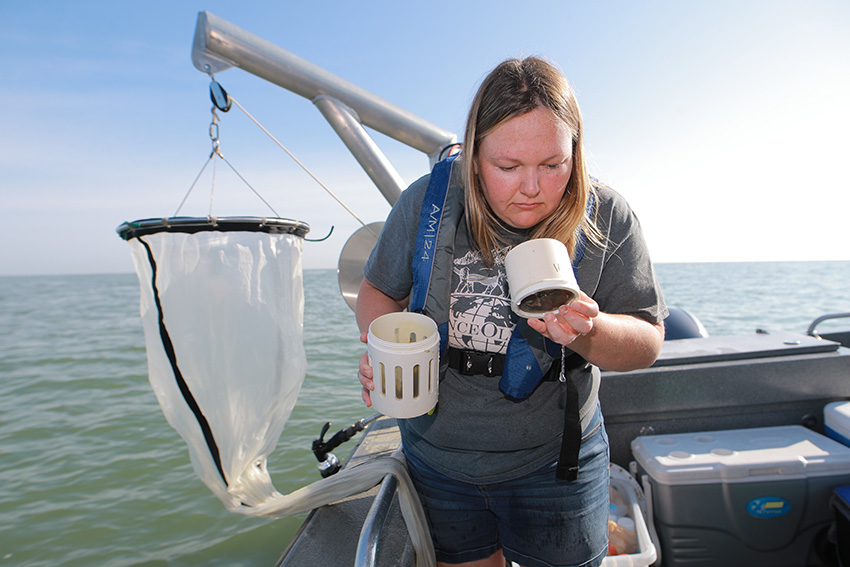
x=469 y=362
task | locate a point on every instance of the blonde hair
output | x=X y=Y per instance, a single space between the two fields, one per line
x=513 y=88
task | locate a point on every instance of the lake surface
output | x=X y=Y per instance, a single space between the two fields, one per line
x=91 y=473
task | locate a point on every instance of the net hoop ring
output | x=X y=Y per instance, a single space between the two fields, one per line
x=191 y=225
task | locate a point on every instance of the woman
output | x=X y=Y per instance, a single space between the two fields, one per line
x=494 y=464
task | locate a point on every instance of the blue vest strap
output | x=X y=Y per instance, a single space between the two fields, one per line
x=426 y=236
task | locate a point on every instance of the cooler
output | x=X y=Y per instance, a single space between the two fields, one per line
x=742 y=497
x=836 y=421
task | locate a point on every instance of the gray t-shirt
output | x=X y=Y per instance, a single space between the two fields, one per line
x=476 y=433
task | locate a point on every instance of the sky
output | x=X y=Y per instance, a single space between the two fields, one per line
x=724 y=123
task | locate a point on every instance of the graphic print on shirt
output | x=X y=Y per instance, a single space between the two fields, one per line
x=480 y=314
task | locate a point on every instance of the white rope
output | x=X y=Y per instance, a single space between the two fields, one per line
x=245 y=181
x=304 y=167
x=212 y=185
x=183 y=202
x=216 y=151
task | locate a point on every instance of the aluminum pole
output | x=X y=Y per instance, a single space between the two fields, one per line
x=362 y=147
x=218 y=43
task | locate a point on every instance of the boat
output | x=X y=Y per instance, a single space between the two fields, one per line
x=700 y=385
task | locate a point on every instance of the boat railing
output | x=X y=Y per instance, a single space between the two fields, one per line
x=370 y=533
x=812 y=330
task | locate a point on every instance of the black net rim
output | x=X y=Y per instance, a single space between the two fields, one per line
x=192 y=225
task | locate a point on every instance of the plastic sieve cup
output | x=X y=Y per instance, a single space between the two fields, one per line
x=404 y=354
x=540 y=277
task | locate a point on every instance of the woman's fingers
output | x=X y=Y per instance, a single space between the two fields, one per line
x=569 y=322
x=572 y=320
x=564 y=327
x=584 y=305
x=364 y=374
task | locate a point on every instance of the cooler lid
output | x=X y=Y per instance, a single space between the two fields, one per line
x=740 y=455
x=836 y=416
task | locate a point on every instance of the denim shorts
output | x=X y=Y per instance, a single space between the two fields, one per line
x=537 y=520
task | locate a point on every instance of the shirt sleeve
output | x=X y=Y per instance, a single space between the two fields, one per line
x=622 y=278
x=389 y=267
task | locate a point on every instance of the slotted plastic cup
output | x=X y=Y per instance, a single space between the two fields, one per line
x=540 y=277
x=404 y=354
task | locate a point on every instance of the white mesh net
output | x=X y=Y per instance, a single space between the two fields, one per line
x=223 y=315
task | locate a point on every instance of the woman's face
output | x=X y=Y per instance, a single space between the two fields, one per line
x=524 y=165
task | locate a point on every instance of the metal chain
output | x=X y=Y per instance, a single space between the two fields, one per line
x=563 y=376
x=216 y=143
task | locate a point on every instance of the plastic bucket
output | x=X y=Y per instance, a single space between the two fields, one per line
x=540 y=277
x=404 y=355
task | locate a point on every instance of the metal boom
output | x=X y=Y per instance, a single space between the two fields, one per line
x=218 y=45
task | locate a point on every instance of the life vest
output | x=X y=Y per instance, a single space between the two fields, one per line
x=530 y=355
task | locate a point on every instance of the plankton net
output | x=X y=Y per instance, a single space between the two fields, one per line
x=222 y=304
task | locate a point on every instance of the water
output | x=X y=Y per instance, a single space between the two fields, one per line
x=738 y=298
x=91 y=473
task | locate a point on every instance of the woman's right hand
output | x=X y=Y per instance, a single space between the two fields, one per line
x=364 y=374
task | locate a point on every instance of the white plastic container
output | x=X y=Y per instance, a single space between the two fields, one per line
x=836 y=419
x=540 y=277
x=404 y=354
x=646 y=553
x=741 y=497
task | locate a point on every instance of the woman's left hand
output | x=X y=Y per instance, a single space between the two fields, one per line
x=570 y=322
